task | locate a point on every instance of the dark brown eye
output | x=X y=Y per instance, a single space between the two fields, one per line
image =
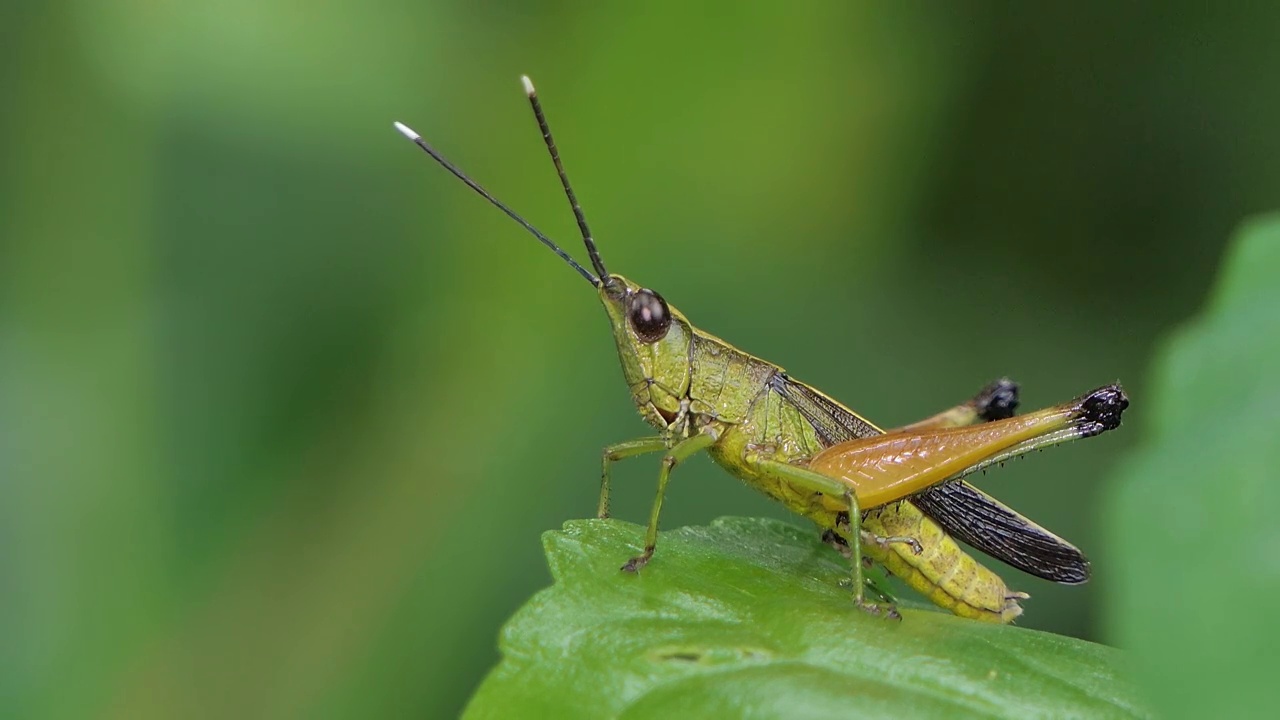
x=649 y=316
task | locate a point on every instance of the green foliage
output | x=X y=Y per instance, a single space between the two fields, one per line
x=1200 y=500
x=750 y=617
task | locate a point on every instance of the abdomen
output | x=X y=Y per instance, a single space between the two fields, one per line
x=943 y=572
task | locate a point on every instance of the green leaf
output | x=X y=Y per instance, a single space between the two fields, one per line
x=752 y=617
x=1200 y=501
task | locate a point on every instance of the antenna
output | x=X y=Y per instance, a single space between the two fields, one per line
x=417 y=140
x=590 y=242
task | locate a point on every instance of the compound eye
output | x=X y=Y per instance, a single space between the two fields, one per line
x=649 y=316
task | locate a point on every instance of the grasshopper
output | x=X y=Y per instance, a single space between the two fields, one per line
x=897 y=497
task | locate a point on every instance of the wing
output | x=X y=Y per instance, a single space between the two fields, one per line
x=989 y=525
x=831 y=421
x=965 y=512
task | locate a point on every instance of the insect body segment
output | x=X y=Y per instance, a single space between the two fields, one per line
x=942 y=572
x=900 y=496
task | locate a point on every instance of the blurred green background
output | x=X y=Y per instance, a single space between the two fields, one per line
x=284 y=408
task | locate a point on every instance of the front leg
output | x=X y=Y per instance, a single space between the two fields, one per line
x=621 y=451
x=676 y=455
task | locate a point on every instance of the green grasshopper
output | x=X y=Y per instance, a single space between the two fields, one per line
x=897 y=497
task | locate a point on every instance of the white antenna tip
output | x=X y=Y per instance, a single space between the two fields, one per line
x=408 y=132
x=528 y=85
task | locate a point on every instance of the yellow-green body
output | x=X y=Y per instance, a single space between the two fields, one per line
x=898 y=497
x=693 y=382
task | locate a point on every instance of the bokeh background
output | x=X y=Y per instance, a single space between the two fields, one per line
x=284 y=408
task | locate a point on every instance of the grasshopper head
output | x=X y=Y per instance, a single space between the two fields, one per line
x=653 y=346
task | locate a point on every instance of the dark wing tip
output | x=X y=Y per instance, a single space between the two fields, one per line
x=973 y=517
x=1065 y=571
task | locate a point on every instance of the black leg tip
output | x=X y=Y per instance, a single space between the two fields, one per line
x=997 y=401
x=635 y=563
x=1101 y=409
x=886 y=611
x=832 y=538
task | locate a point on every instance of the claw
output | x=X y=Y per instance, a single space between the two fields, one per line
x=885 y=610
x=639 y=561
x=834 y=540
